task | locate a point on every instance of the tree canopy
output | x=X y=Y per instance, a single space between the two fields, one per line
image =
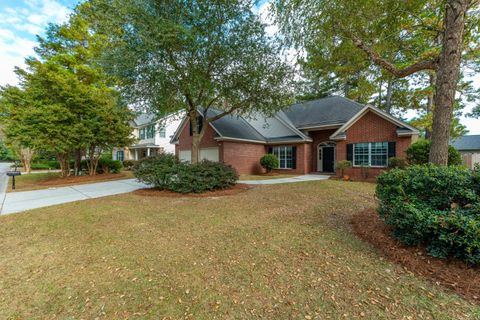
x=65 y=102
x=191 y=55
x=395 y=44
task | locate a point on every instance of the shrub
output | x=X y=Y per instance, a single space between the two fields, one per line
x=165 y=172
x=342 y=165
x=269 y=162
x=418 y=153
x=395 y=162
x=108 y=165
x=438 y=207
x=129 y=164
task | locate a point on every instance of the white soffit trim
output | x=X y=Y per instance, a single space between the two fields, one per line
x=238 y=139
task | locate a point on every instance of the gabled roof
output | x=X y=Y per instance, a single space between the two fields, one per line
x=144 y=119
x=326 y=111
x=285 y=126
x=256 y=128
x=403 y=128
x=467 y=143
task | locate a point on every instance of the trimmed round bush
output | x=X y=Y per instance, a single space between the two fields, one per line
x=269 y=162
x=342 y=165
x=418 y=153
x=108 y=165
x=165 y=172
x=438 y=207
x=395 y=162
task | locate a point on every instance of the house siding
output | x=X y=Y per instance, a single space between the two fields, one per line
x=208 y=140
x=245 y=156
x=372 y=128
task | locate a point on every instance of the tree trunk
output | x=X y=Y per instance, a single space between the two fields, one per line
x=430 y=105
x=26 y=155
x=63 y=159
x=196 y=136
x=388 y=98
x=92 y=162
x=380 y=97
x=78 y=161
x=447 y=77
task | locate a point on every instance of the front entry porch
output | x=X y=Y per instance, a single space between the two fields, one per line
x=140 y=152
x=326 y=157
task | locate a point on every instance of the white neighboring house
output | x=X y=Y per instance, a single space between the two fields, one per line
x=153 y=137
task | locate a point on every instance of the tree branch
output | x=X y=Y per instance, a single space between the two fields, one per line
x=390 y=67
x=218 y=116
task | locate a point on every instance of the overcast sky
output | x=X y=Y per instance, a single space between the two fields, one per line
x=22 y=20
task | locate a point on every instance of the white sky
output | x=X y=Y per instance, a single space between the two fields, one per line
x=21 y=20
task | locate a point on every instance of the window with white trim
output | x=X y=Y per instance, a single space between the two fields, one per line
x=372 y=154
x=162 y=132
x=284 y=155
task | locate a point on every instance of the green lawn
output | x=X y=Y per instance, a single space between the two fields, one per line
x=44 y=180
x=273 y=252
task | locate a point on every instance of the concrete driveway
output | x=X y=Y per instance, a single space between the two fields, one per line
x=14 y=202
x=26 y=200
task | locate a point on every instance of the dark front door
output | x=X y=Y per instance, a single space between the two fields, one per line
x=328 y=159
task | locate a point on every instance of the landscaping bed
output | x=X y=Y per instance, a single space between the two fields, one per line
x=36 y=181
x=451 y=274
x=152 y=192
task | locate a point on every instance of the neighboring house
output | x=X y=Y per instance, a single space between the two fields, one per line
x=469 y=147
x=153 y=137
x=306 y=137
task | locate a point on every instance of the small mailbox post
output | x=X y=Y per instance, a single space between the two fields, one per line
x=13 y=174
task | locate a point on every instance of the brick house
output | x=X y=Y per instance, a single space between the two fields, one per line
x=306 y=137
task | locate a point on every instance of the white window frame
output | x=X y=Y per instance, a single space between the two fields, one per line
x=369 y=155
x=162 y=132
x=277 y=151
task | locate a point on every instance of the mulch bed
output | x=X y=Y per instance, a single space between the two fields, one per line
x=58 y=181
x=451 y=274
x=152 y=192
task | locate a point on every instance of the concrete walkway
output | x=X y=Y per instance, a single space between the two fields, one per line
x=307 y=177
x=4 y=167
x=26 y=200
x=14 y=202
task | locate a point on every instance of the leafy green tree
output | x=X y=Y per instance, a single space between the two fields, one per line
x=402 y=38
x=192 y=56
x=66 y=102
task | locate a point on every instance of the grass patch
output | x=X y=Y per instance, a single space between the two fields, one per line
x=36 y=181
x=273 y=252
x=265 y=176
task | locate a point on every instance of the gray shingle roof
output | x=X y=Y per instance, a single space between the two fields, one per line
x=471 y=142
x=331 y=110
x=237 y=127
x=144 y=118
x=234 y=127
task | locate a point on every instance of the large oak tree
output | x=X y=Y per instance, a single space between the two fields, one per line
x=403 y=38
x=192 y=56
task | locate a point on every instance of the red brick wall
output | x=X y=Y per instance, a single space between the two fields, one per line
x=245 y=157
x=372 y=128
x=208 y=141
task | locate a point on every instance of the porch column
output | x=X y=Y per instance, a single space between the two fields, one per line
x=136 y=154
x=148 y=152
